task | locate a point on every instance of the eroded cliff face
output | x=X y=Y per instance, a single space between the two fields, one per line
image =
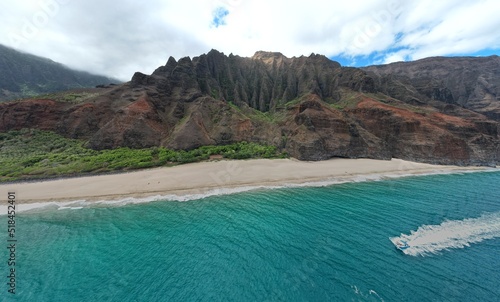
x=264 y=82
x=472 y=83
x=310 y=107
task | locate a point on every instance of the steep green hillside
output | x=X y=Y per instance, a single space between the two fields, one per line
x=25 y=75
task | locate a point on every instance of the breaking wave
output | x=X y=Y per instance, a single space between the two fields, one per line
x=79 y=204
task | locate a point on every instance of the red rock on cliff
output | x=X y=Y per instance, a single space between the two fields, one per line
x=310 y=107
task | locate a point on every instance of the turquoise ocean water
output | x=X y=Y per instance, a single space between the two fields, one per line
x=292 y=244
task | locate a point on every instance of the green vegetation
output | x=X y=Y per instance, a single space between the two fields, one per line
x=275 y=117
x=292 y=103
x=349 y=100
x=27 y=91
x=30 y=154
x=76 y=97
x=73 y=98
x=262 y=116
x=397 y=103
x=232 y=105
x=214 y=94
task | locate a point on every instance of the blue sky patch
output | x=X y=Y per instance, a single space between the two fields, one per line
x=358 y=61
x=219 y=16
x=377 y=58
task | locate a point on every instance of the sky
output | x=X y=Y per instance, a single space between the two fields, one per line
x=118 y=38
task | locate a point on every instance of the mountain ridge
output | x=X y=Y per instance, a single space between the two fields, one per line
x=311 y=107
x=25 y=75
x=470 y=82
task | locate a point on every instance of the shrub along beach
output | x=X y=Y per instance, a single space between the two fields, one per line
x=40 y=155
x=34 y=154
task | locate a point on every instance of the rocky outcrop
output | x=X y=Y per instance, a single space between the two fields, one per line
x=315 y=131
x=472 y=83
x=310 y=107
x=42 y=114
x=263 y=82
x=430 y=137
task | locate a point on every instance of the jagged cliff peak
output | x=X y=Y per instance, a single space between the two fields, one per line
x=270 y=58
x=261 y=54
x=309 y=106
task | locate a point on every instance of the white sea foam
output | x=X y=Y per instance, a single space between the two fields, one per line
x=451 y=234
x=79 y=204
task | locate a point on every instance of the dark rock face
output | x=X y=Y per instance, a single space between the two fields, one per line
x=472 y=83
x=432 y=137
x=317 y=131
x=263 y=82
x=42 y=114
x=310 y=107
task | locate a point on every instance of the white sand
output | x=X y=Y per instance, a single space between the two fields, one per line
x=198 y=178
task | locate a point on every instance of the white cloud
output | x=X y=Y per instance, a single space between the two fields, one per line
x=455 y=28
x=119 y=38
x=398 y=56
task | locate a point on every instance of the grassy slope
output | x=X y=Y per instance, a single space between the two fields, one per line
x=31 y=154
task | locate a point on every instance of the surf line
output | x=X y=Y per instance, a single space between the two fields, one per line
x=11 y=242
x=450 y=234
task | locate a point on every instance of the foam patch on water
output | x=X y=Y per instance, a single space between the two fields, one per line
x=451 y=234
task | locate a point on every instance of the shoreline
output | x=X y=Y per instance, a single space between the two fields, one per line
x=198 y=180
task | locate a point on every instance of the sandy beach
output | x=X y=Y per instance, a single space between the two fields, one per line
x=199 y=178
